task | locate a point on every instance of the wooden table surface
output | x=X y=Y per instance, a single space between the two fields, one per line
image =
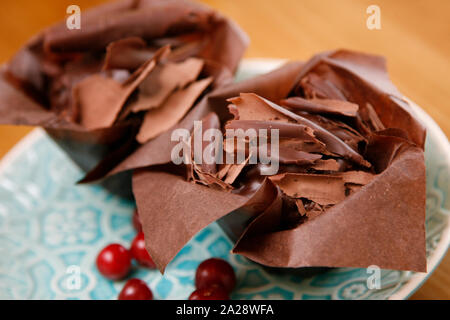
x=414 y=37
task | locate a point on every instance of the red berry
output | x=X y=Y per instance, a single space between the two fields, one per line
x=135 y=289
x=136 y=221
x=215 y=272
x=139 y=252
x=114 y=262
x=210 y=293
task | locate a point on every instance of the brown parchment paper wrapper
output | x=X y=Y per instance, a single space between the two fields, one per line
x=39 y=85
x=382 y=223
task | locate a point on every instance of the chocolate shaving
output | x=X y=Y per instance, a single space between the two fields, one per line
x=357 y=177
x=326 y=165
x=292 y=156
x=104 y=96
x=235 y=169
x=371 y=117
x=300 y=206
x=321 y=106
x=286 y=130
x=249 y=106
x=173 y=110
x=209 y=179
x=165 y=79
x=299 y=144
x=211 y=121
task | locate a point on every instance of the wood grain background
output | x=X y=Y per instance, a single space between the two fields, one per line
x=414 y=37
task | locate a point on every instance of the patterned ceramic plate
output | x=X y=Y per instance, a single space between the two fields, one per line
x=51 y=231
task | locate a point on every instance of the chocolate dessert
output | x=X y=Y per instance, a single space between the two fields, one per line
x=133 y=70
x=350 y=187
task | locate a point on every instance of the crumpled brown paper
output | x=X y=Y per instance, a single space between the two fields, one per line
x=362 y=204
x=135 y=68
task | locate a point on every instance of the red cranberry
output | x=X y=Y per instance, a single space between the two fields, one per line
x=136 y=221
x=114 y=262
x=210 y=293
x=135 y=289
x=215 y=272
x=139 y=252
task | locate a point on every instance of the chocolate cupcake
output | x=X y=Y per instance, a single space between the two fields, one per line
x=327 y=170
x=133 y=70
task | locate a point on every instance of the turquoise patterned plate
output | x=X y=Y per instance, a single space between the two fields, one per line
x=51 y=231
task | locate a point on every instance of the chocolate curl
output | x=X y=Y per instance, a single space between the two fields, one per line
x=286 y=130
x=210 y=180
x=383 y=224
x=357 y=177
x=211 y=121
x=326 y=165
x=206 y=173
x=370 y=117
x=292 y=156
x=172 y=111
x=321 y=106
x=340 y=129
x=165 y=79
x=235 y=169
